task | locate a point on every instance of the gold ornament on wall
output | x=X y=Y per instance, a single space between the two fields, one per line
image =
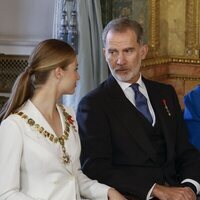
x=192 y=42
x=154 y=20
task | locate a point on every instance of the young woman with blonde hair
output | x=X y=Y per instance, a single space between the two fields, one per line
x=39 y=142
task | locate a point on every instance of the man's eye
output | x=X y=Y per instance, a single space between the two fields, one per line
x=129 y=51
x=112 y=52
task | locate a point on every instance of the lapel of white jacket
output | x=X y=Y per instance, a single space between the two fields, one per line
x=45 y=143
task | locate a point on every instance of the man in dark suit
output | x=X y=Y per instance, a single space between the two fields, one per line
x=132 y=131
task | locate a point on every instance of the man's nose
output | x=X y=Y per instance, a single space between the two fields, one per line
x=121 y=59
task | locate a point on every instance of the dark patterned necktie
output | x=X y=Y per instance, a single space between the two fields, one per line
x=141 y=102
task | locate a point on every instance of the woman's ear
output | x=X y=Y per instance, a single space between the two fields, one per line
x=58 y=72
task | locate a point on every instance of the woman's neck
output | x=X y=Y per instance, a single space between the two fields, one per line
x=46 y=104
x=45 y=101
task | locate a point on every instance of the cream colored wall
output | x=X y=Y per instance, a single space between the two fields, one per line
x=172 y=27
x=23 y=23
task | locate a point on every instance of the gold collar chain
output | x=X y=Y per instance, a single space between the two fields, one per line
x=68 y=122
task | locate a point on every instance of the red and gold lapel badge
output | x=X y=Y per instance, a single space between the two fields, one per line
x=166 y=107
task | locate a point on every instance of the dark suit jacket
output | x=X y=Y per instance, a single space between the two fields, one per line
x=115 y=148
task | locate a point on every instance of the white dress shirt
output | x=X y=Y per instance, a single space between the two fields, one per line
x=129 y=93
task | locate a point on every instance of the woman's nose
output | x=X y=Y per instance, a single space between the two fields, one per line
x=78 y=76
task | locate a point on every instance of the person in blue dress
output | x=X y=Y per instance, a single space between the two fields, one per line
x=192 y=115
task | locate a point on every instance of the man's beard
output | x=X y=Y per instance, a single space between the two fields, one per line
x=127 y=76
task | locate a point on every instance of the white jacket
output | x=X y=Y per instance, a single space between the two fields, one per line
x=31 y=166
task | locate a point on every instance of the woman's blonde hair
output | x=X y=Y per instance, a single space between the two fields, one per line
x=46 y=56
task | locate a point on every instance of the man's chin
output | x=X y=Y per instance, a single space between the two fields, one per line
x=128 y=77
x=122 y=78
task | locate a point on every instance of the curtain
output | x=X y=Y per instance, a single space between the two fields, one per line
x=92 y=66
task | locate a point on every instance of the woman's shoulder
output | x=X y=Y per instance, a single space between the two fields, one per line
x=12 y=126
x=193 y=96
x=192 y=106
x=195 y=92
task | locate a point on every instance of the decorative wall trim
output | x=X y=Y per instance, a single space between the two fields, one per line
x=192 y=36
x=15 y=42
x=183 y=77
x=176 y=77
x=167 y=60
x=154 y=35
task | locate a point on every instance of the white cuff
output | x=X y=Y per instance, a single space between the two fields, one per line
x=195 y=183
x=149 y=193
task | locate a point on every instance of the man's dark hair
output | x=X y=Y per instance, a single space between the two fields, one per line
x=121 y=25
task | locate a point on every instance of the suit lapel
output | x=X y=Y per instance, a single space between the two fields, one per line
x=128 y=116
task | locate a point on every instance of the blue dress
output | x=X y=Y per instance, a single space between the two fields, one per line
x=192 y=115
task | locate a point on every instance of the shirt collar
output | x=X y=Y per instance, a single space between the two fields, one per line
x=125 y=85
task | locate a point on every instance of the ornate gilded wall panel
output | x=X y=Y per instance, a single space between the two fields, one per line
x=176 y=27
x=192 y=41
x=154 y=20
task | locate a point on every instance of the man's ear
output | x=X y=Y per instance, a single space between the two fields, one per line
x=143 y=51
x=58 y=73
x=104 y=52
